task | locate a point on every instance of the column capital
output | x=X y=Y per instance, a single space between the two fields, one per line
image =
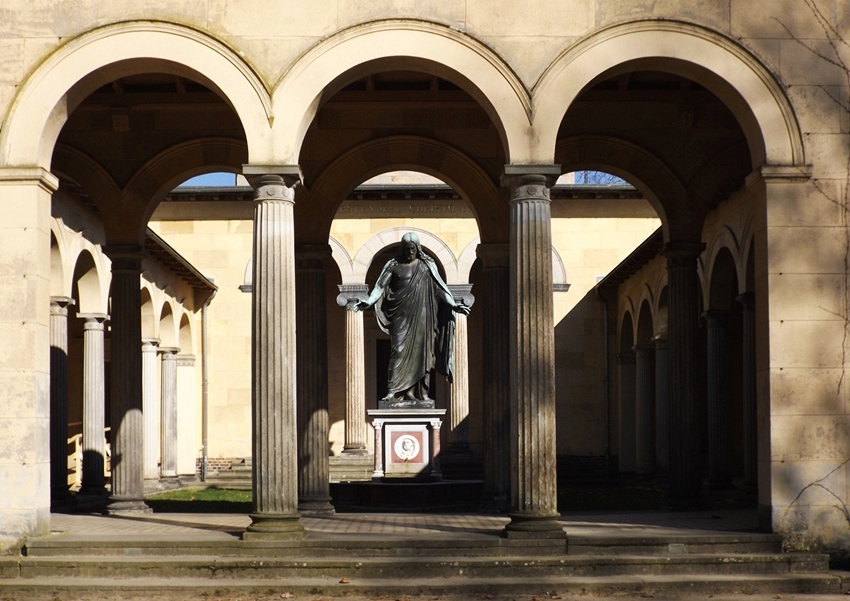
x=152 y=342
x=715 y=316
x=351 y=294
x=660 y=341
x=312 y=256
x=59 y=304
x=38 y=175
x=94 y=321
x=185 y=360
x=520 y=176
x=273 y=182
x=682 y=253
x=462 y=293
x=493 y=254
x=168 y=352
x=747 y=300
x=125 y=257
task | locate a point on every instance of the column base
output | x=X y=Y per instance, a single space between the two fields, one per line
x=534 y=525
x=277 y=526
x=125 y=506
x=320 y=506
x=355 y=451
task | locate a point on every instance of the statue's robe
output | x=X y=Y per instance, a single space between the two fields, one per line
x=420 y=325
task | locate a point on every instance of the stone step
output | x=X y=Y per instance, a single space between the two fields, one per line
x=341 y=584
x=364 y=546
x=531 y=567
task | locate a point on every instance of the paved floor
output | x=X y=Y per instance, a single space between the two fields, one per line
x=165 y=526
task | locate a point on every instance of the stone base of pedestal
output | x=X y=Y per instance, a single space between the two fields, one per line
x=274 y=526
x=316 y=506
x=118 y=506
x=351 y=467
x=533 y=525
x=407 y=443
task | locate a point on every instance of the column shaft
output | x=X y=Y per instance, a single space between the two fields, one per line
x=496 y=415
x=644 y=409
x=626 y=386
x=458 y=431
x=94 y=406
x=355 y=371
x=662 y=406
x=683 y=324
x=126 y=381
x=748 y=341
x=532 y=361
x=273 y=393
x=718 y=401
x=59 y=400
x=312 y=361
x=151 y=408
x=168 y=380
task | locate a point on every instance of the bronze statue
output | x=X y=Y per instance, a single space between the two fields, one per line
x=415 y=307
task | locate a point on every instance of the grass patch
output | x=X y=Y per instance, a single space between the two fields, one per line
x=201 y=500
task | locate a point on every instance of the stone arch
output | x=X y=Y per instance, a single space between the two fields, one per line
x=87 y=284
x=343 y=261
x=747 y=261
x=80 y=66
x=625 y=325
x=723 y=240
x=661 y=313
x=374 y=245
x=371 y=47
x=160 y=175
x=718 y=63
x=167 y=326
x=628 y=161
x=57 y=263
x=645 y=324
x=723 y=281
x=185 y=335
x=149 y=322
x=398 y=153
x=98 y=186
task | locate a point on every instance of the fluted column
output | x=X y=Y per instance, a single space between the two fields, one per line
x=126 y=382
x=168 y=381
x=644 y=409
x=94 y=405
x=683 y=324
x=188 y=441
x=273 y=392
x=532 y=355
x=312 y=361
x=458 y=431
x=496 y=409
x=355 y=370
x=151 y=408
x=626 y=386
x=662 y=406
x=717 y=382
x=59 y=494
x=748 y=343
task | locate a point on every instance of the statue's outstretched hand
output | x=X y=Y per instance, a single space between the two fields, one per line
x=360 y=306
x=461 y=308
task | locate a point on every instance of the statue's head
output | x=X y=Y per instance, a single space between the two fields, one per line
x=410 y=241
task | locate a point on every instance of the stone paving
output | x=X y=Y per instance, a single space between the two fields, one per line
x=164 y=526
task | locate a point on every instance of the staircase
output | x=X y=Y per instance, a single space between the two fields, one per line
x=705 y=563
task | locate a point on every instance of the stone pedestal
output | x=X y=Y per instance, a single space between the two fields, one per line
x=407 y=443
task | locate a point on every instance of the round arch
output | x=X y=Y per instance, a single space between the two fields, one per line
x=185 y=338
x=57 y=262
x=80 y=66
x=713 y=60
x=167 y=325
x=374 y=245
x=628 y=161
x=723 y=240
x=87 y=281
x=397 y=153
x=645 y=326
x=394 y=44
